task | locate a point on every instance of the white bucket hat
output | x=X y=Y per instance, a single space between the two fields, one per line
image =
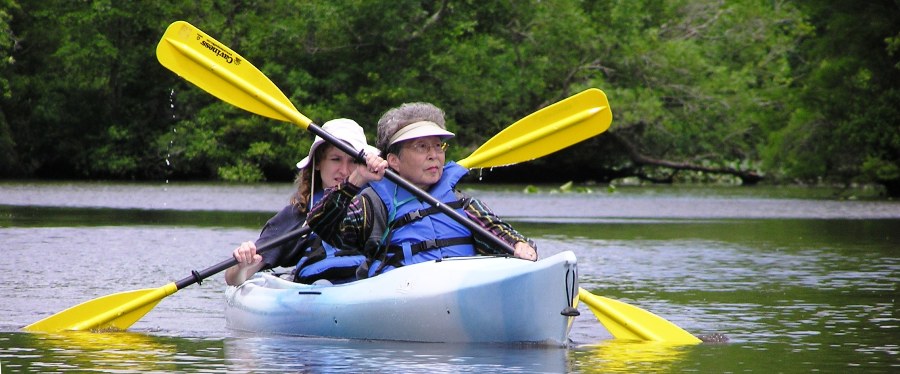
x=344 y=129
x=419 y=129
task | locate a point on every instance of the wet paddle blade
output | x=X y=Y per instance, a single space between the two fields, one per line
x=625 y=321
x=111 y=312
x=567 y=122
x=215 y=68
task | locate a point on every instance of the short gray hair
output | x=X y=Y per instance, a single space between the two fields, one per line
x=404 y=115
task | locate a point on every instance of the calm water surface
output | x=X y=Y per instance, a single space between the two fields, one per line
x=797 y=284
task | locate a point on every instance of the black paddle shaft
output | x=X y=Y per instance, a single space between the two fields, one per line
x=199 y=276
x=422 y=195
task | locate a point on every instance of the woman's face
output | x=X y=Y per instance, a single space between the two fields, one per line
x=334 y=166
x=421 y=161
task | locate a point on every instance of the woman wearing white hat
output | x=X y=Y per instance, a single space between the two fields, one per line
x=324 y=167
x=390 y=225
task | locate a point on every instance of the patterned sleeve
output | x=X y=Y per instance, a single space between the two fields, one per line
x=340 y=218
x=485 y=217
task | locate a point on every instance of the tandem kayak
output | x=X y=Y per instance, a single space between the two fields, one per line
x=479 y=299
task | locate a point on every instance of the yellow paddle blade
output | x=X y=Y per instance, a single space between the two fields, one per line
x=217 y=69
x=567 y=122
x=625 y=321
x=117 y=311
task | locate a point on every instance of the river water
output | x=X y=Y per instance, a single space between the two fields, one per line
x=796 y=280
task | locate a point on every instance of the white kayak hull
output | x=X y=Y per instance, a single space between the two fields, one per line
x=457 y=300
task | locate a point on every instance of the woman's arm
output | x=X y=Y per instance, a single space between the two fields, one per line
x=340 y=218
x=485 y=217
x=249 y=262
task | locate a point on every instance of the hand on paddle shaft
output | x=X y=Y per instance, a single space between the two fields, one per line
x=248 y=263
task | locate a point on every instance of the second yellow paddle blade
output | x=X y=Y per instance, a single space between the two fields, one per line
x=567 y=122
x=625 y=321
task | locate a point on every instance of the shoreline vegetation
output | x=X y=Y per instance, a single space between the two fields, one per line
x=625 y=187
x=700 y=91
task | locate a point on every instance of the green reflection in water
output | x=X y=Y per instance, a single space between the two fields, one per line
x=883 y=233
x=30 y=216
x=121 y=352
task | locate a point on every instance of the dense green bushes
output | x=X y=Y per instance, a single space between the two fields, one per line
x=791 y=91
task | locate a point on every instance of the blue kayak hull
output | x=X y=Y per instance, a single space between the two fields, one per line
x=457 y=300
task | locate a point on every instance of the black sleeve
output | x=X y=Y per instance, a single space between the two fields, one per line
x=288 y=253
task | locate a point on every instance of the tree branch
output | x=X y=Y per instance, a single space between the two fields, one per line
x=431 y=21
x=639 y=159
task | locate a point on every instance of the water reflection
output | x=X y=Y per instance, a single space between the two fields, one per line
x=121 y=352
x=287 y=353
x=620 y=356
x=29 y=216
x=79 y=264
x=793 y=295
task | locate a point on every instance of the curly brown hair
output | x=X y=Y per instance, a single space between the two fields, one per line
x=303 y=181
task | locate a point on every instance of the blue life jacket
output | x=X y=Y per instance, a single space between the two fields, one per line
x=416 y=231
x=323 y=261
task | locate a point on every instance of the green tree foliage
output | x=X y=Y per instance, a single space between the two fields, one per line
x=699 y=81
x=84 y=102
x=8 y=43
x=791 y=90
x=846 y=126
x=694 y=85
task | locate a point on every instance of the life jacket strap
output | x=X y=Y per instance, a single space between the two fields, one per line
x=316 y=253
x=397 y=255
x=419 y=214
